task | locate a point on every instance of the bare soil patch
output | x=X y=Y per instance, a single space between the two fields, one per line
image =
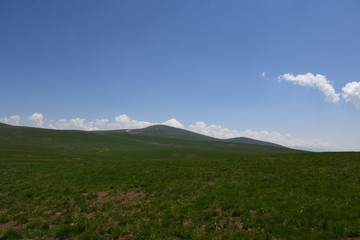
x=8 y=225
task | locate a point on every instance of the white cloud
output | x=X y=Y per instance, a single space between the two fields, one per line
x=120 y=122
x=173 y=123
x=319 y=81
x=13 y=120
x=37 y=119
x=287 y=140
x=125 y=122
x=218 y=131
x=100 y=122
x=351 y=93
x=78 y=123
x=263 y=74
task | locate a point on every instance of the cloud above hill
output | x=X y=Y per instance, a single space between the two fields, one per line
x=216 y=131
x=13 y=120
x=123 y=121
x=75 y=123
x=37 y=119
x=273 y=136
x=119 y=122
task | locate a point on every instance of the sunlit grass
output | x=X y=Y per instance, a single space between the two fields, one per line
x=297 y=196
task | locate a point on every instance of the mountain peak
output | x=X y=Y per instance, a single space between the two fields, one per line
x=166 y=131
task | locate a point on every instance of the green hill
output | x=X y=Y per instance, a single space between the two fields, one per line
x=163 y=131
x=252 y=141
x=3 y=125
x=171 y=133
x=155 y=142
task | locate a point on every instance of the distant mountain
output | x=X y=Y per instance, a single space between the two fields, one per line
x=177 y=133
x=155 y=142
x=164 y=131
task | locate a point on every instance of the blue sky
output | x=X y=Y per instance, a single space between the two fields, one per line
x=215 y=67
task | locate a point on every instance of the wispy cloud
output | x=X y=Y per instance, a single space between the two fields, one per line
x=351 y=93
x=318 y=81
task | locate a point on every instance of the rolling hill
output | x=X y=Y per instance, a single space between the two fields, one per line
x=154 y=142
x=3 y=125
x=164 y=131
x=252 y=141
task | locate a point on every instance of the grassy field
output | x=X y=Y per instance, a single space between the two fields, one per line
x=98 y=192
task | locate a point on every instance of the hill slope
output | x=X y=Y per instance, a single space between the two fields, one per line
x=3 y=125
x=164 y=131
x=171 y=132
x=155 y=142
x=252 y=141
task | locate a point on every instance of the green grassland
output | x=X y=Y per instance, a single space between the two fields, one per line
x=163 y=183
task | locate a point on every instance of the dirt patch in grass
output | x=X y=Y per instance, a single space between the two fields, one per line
x=55 y=216
x=130 y=212
x=127 y=237
x=32 y=219
x=237 y=226
x=48 y=212
x=88 y=215
x=3 y=211
x=186 y=223
x=131 y=197
x=8 y=225
x=102 y=194
x=103 y=197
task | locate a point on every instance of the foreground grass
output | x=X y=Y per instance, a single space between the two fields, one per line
x=295 y=196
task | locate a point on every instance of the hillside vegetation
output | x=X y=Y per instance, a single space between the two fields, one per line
x=155 y=142
x=165 y=183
